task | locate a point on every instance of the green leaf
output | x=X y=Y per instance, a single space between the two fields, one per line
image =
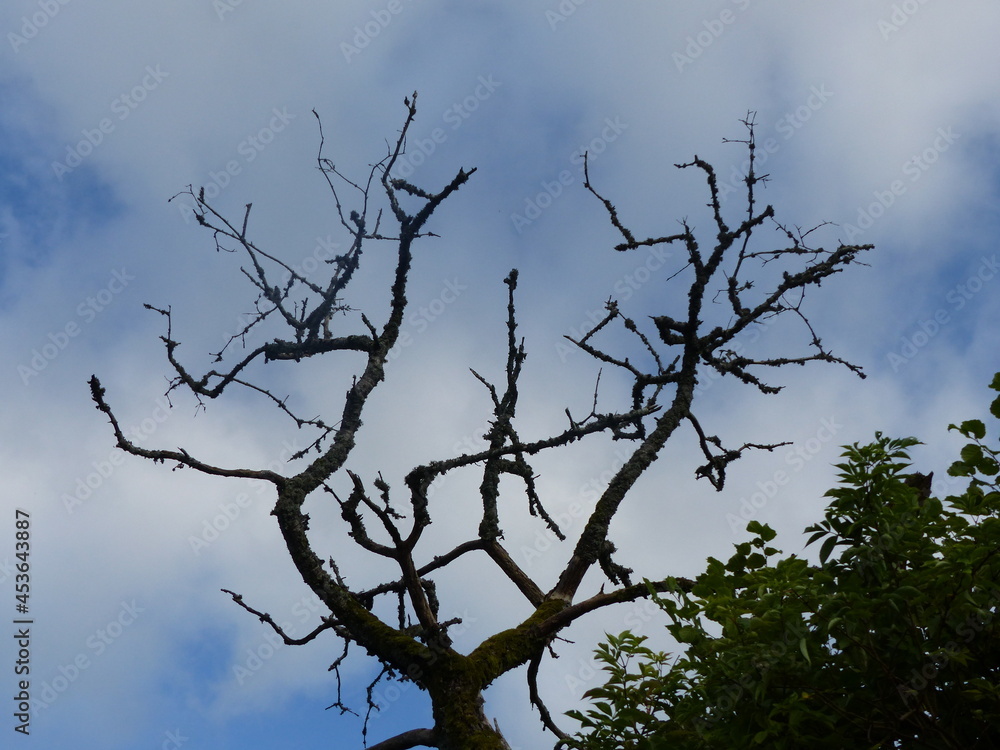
x=972 y=454
x=688 y=634
x=960 y=469
x=804 y=648
x=818 y=535
x=604 y=707
x=827 y=548
x=973 y=428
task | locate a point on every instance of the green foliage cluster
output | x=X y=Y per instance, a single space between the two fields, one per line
x=891 y=641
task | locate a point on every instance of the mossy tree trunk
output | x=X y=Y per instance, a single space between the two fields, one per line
x=460 y=722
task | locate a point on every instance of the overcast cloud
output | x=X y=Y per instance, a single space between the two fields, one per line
x=881 y=117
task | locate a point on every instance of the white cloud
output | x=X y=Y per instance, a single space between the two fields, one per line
x=150 y=100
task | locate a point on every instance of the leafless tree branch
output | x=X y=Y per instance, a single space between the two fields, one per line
x=737 y=281
x=412 y=738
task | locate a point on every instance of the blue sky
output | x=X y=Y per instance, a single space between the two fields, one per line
x=881 y=117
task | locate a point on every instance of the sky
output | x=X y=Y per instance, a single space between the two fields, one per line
x=880 y=118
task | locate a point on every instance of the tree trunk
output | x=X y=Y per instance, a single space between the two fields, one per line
x=460 y=721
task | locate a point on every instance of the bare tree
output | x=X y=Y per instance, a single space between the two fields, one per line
x=416 y=645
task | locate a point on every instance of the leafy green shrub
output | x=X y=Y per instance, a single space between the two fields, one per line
x=891 y=641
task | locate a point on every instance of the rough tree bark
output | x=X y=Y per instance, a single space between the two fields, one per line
x=417 y=647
